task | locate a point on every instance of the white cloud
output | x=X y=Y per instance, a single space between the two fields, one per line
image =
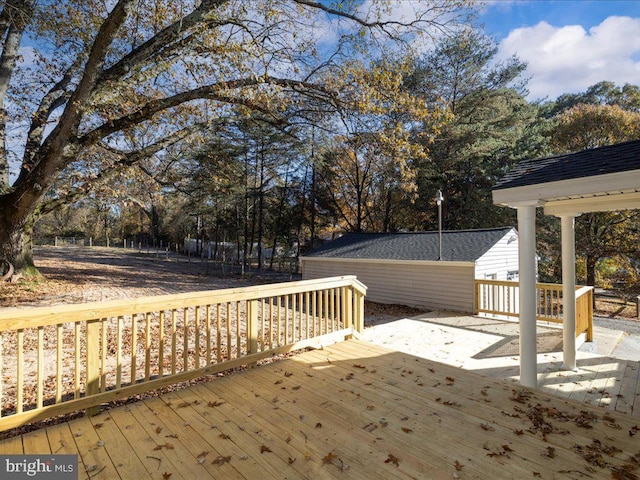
x=569 y=59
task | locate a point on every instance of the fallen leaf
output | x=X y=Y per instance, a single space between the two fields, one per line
x=550 y=452
x=264 y=448
x=288 y=439
x=158 y=429
x=393 y=459
x=98 y=425
x=184 y=405
x=458 y=465
x=318 y=425
x=487 y=427
x=166 y=476
x=168 y=446
x=277 y=382
x=288 y=374
x=221 y=460
x=291 y=460
x=214 y=404
x=224 y=436
x=328 y=458
x=359 y=365
x=406 y=430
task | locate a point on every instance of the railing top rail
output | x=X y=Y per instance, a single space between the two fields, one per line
x=555 y=286
x=582 y=290
x=14 y=318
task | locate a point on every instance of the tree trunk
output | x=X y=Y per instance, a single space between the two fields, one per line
x=16 y=244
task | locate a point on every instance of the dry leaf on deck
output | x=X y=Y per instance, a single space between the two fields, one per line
x=393 y=459
x=166 y=476
x=158 y=429
x=214 y=404
x=264 y=448
x=458 y=466
x=220 y=460
x=406 y=430
x=359 y=365
x=328 y=458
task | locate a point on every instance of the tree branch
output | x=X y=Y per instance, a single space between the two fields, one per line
x=126 y=159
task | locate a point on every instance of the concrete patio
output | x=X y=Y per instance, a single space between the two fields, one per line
x=489 y=347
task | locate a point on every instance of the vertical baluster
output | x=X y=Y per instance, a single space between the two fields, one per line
x=306 y=313
x=228 y=323
x=20 y=372
x=197 y=337
x=278 y=322
x=119 y=325
x=271 y=311
x=76 y=353
x=334 y=318
x=40 y=374
x=208 y=327
x=147 y=347
x=185 y=339
x=314 y=311
x=174 y=340
x=300 y=316
x=59 y=340
x=134 y=346
x=218 y=333
x=161 y=343
x=238 y=332
x=286 y=299
x=263 y=305
x=325 y=310
x=103 y=362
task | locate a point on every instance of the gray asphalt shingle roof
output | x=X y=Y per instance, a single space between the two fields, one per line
x=622 y=157
x=459 y=245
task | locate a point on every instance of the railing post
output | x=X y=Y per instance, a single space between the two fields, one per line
x=252 y=328
x=476 y=299
x=92 y=386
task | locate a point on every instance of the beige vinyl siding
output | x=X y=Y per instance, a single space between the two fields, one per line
x=499 y=259
x=426 y=284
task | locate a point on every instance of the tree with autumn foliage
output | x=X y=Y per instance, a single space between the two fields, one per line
x=583 y=126
x=105 y=75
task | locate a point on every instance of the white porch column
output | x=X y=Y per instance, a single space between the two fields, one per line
x=568 y=292
x=527 y=261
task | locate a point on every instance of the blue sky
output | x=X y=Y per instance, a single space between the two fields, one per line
x=568 y=44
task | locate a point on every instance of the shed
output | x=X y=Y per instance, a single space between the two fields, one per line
x=403 y=268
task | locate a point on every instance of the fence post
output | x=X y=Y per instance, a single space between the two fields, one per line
x=93 y=362
x=252 y=328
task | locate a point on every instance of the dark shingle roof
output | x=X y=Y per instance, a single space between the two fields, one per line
x=621 y=157
x=460 y=245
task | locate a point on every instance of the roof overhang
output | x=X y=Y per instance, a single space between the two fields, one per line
x=610 y=192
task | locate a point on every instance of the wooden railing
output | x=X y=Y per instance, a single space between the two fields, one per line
x=61 y=359
x=497 y=297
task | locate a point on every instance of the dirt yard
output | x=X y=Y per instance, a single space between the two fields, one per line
x=76 y=275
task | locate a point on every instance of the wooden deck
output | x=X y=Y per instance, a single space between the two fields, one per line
x=353 y=410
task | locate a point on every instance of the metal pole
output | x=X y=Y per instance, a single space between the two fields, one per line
x=440 y=230
x=439 y=199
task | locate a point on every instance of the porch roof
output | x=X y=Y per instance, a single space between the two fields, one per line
x=599 y=179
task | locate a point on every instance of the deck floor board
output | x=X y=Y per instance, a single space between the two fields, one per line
x=357 y=411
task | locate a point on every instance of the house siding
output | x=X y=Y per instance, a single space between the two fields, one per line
x=427 y=284
x=500 y=259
